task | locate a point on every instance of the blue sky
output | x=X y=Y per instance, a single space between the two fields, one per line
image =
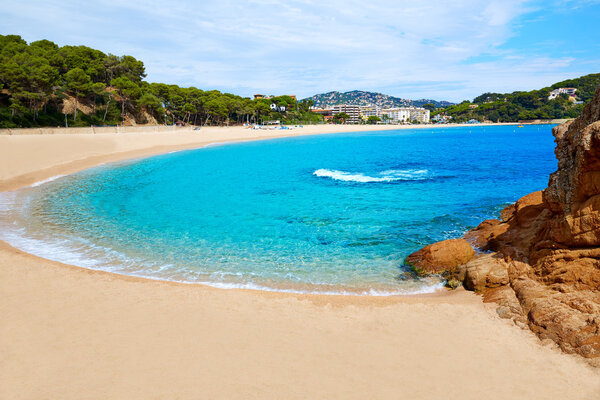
x=446 y=50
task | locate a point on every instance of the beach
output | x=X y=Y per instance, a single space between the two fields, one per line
x=73 y=333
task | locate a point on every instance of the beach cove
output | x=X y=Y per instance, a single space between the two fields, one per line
x=75 y=333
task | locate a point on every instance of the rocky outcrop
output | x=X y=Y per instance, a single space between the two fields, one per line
x=541 y=264
x=441 y=257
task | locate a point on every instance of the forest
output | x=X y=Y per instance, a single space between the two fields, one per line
x=43 y=84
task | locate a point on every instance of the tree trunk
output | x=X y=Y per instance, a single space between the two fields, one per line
x=75 y=112
x=105 y=111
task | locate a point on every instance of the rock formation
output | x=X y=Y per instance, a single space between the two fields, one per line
x=441 y=257
x=541 y=261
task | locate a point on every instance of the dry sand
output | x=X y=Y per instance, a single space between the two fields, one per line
x=71 y=333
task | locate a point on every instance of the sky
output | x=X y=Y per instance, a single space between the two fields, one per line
x=438 y=49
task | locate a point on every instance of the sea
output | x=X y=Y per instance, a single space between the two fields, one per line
x=331 y=214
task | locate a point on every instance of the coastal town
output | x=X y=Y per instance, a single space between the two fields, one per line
x=358 y=114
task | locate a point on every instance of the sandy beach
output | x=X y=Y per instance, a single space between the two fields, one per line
x=72 y=333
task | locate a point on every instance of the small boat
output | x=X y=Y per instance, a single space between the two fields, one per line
x=520 y=126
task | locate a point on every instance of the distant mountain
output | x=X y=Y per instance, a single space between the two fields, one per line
x=436 y=103
x=362 y=98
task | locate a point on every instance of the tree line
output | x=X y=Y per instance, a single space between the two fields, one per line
x=43 y=84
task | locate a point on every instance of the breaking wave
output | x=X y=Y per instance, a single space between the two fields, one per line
x=391 y=175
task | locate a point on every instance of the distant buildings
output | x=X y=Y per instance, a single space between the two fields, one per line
x=325 y=112
x=352 y=111
x=275 y=107
x=370 y=111
x=419 y=114
x=441 y=119
x=399 y=115
x=396 y=115
x=557 y=92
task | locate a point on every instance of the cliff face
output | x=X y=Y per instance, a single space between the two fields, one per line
x=543 y=270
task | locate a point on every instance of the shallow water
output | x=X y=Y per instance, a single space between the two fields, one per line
x=330 y=213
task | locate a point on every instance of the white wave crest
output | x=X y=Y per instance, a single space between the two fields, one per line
x=385 y=176
x=38 y=183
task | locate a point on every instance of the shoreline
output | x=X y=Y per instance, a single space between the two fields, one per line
x=76 y=332
x=37 y=178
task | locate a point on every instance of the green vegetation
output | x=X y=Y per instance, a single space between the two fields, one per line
x=340 y=118
x=43 y=84
x=373 y=119
x=516 y=106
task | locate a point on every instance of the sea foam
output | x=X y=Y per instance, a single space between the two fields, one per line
x=53 y=178
x=391 y=175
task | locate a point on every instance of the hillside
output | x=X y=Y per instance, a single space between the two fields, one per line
x=43 y=84
x=362 y=98
x=520 y=105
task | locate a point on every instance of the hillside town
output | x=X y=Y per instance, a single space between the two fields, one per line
x=353 y=113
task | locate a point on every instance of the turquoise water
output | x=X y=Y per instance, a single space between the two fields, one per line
x=330 y=213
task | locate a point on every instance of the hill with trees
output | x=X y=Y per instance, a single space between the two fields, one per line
x=43 y=84
x=520 y=106
x=362 y=98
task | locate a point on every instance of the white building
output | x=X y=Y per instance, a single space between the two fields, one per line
x=557 y=92
x=407 y=114
x=352 y=110
x=397 y=115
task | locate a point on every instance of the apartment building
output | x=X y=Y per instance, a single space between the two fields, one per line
x=401 y=115
x=370 y=111
x=419 y=114
x=396 y=115
x=352 y=110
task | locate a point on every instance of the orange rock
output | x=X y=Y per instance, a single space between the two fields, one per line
x=440 y=257
x=484 y=232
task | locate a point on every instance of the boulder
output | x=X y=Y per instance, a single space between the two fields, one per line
x=440 y=257
x=487 y=271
